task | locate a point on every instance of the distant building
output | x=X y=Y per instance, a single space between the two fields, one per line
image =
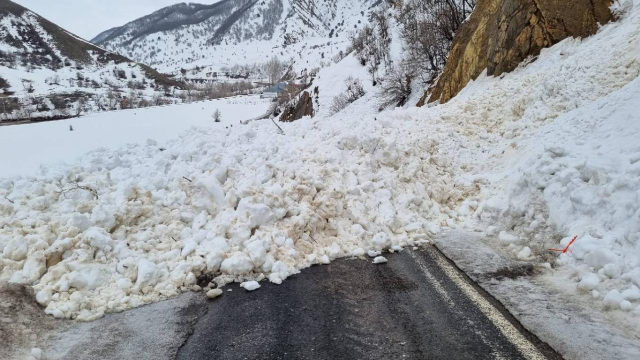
x=274 y=91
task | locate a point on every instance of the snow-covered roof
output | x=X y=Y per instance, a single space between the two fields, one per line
x=277 y=88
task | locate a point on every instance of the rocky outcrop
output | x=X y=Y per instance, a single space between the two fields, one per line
x=304 y=107
x=500 y=34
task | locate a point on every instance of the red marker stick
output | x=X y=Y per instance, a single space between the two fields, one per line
x=564 y=251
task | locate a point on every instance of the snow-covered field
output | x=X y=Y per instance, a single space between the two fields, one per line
x=23 y=149
x=533 y=158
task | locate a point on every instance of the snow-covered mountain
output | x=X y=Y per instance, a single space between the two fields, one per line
x=242 y=32
x=39 y=59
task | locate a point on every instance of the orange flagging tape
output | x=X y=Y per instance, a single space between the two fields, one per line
x=564 y=251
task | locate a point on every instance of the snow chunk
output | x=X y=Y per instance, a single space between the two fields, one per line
x=214 y=293
x=80 y=221
x=613 y=299
x=209 y=196
x=612 y=270
x=250 y=285
x=256 y=214
x=37 y=353
x=507 y=238
x=279 y=272
x=148 y=274
x=257 y=251
x=525 y=253
x=631 y=294
x=600 y=257
x=589 y=282
x=102 y=217
x=16 y=250
x=380 y=260
x=626 y=306
x=238 y=264
x=99 y=239
x=381 y=241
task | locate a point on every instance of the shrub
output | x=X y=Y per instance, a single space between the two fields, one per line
x=353 y=92
x=396 y=88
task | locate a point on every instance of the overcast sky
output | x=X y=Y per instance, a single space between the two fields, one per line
x=88 y=18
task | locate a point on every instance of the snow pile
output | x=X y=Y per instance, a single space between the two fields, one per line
x=590 y=187
x=132 y=226
x=579 y=174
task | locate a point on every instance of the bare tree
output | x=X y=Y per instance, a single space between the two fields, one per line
x=27 y=85
x=274 y=69
x=112 y=99
x=396 y=88
x=428 y=28
x=81 y=106
x=99 y=101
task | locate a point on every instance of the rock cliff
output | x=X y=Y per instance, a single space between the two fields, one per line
x=500 y=34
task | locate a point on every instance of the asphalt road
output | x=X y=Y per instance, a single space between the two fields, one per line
x=417 y=306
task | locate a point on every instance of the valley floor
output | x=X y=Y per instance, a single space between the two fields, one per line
x=23 y=149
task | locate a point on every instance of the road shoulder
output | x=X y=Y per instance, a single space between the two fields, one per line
x=566 y=322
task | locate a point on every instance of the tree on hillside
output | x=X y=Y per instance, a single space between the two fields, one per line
x=428 y=28
x=217 y=116
x=4 y=84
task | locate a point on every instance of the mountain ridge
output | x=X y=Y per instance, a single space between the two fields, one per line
x=184 y=35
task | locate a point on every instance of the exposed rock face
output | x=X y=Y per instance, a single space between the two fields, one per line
x=303 y=108
x=500 y=34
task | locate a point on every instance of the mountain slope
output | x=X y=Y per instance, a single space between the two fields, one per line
x=239 y=32
x=39 y=58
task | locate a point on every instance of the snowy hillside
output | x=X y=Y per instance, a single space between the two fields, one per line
x=239 y=32
x=45 y=70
